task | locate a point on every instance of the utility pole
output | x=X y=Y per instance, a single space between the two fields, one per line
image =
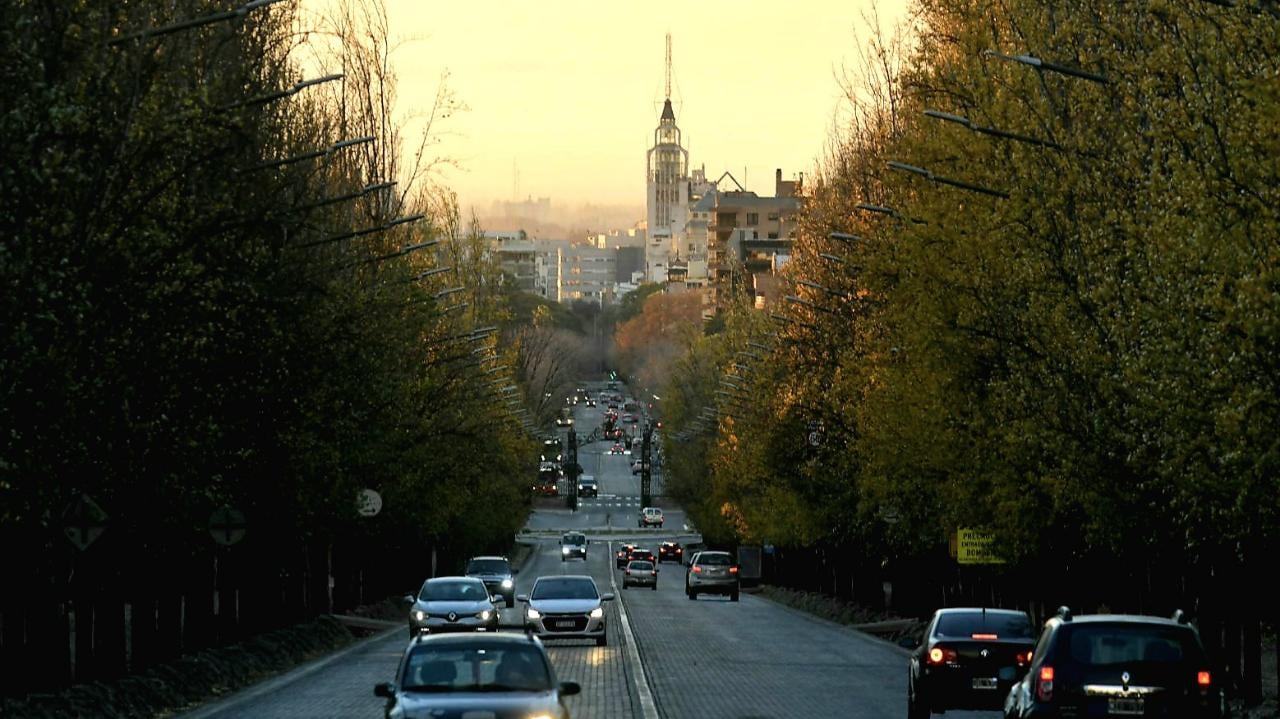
x=646 y=478
x=572 y=466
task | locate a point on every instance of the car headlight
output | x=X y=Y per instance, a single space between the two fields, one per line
x=507 y=584
x=533 y=613
x=419 y=615
x=484 y=615
x=564 y=550
x=540 y=716
x=597 y=613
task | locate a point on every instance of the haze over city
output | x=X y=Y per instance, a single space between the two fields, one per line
x=563 y=98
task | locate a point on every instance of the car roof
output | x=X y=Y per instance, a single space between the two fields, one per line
x=567 y=576
x=467 y=638
x=1122 y=619
x=988 y=610
x=488 y=556
x=458 y=578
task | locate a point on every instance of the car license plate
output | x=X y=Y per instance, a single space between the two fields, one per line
x=1125 y=706
x=984 y=683
x=565 y=624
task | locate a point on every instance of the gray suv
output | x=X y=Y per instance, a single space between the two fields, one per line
x=497 y=575
x=712 y=573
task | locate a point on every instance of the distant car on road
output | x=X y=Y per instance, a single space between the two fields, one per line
x=712 y=572
x=588 y=486
x=637 y=467
x=670 y=551
x=567 y=607
x=573 y=544
x=1109 y=665
x=617 y=448
x=452 y=604
x=651 y=517
x=497 y=575
x=591 y=402
x=640 y=554
x=968 y=658
x=490 y=675
x=641 y=573
x=623 y=555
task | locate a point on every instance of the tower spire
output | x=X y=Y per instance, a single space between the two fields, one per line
x=668 y=66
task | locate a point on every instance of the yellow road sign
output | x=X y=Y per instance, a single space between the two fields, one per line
x=974 y=546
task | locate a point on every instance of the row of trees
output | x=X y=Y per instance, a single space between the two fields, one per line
x=216 y=294
x=1035 y=293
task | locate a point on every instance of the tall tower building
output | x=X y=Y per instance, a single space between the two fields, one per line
x=667 y=182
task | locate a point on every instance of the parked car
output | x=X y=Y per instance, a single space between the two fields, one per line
x=712 y=572
x=497 y=575
x=452 y=604
x=566 y=607
x=1108 y=665
x=490 y=675
x=651 y=517
x=968 y=658
x=573 y=544
x=670 y=551
x=641 y=573
x=623 y=555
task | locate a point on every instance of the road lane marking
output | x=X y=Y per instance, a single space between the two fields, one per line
x=648 y=709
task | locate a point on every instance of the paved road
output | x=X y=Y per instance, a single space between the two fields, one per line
x=709 y=658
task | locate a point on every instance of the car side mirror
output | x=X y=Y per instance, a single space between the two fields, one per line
x=408 y=599
x=607 y=597
x=386 y=690
x=908 y=643
x=568 y=689
x=522 y=597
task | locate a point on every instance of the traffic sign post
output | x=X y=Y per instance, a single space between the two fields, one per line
x=227 y=525
x=83 y=522
x=646 y=477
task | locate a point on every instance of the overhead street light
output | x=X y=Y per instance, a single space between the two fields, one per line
x=193 y=23
x=759 y=346
x=816 y=286
x=1037 y=63
x=459 y=306
x=358 y=233
x=445 y=293
x=834 y=258
x=928 y=175
x=431 y=273
x=802 y=301
x=792 y=321
x=342 y=198
x=281 y=94
x=994 y=132
x=750 y=354
x=844 y=237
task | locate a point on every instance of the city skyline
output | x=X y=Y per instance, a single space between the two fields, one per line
x=561 y=105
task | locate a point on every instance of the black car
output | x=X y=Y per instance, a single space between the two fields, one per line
x=497 y=575
x=469 y=675
x=623 y=556
x=968 y=658
x=1109 y=665
x=671 y=552
x=588 y=486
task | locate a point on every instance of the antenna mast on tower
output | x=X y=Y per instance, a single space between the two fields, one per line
x=668 y=66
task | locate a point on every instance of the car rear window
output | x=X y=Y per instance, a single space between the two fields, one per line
x=1107 y=644
x=965 y=624
x=641 y=565
x=717 y=560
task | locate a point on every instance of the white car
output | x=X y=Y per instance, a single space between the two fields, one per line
x=651 y=517
x=566 y=607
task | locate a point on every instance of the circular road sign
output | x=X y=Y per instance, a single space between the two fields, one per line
x=227 y=525
x=368 y=503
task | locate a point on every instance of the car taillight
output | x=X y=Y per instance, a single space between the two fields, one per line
x=733 y=570
x=1044 y=685
x=1203 y=679
x=696 y=569
x=941 y=655
x=986 y=636
x=1024 y=658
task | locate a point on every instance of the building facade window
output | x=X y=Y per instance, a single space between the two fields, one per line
x=753 y=219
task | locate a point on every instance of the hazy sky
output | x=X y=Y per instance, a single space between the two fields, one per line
x=569 y=91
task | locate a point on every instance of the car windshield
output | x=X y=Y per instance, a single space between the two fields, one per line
x=488 y=566
x=453 y=591
x=575 y=539
x=715 y=560
x=565 y=588
x=476 y=667
x=1110 y=644
x=965 y=624
x=640 y=565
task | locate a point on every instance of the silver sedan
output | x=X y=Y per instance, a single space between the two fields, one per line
x=452 y=604
x=566 y=607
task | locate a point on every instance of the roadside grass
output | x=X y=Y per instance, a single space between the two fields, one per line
x=857 y=616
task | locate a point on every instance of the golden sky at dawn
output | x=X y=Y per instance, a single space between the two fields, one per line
x=569 y=91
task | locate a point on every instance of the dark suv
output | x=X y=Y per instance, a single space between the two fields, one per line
x=968 y=658
x=1108 y=665
x=497 y=576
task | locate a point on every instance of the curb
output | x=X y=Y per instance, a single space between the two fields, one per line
x=270 y=685
x=648 y=707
